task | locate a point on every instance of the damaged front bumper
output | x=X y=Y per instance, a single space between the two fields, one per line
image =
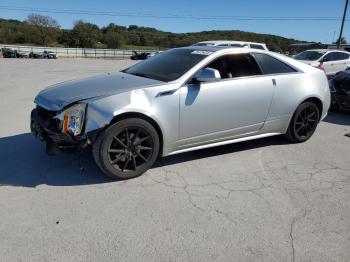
x=45 y=128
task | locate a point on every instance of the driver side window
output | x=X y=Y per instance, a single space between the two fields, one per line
x=232 y=66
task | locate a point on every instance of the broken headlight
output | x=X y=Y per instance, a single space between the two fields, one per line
x=72 y=119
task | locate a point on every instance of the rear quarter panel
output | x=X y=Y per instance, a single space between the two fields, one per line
x=291 y=90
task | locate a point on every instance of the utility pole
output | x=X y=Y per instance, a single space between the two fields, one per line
x=342 y=24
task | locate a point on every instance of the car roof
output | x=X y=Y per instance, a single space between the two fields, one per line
x=225 y=49
x=222 y=48
x=229 y=41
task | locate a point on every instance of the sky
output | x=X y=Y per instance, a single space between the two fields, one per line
x=192 y=16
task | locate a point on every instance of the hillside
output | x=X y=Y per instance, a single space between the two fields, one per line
x=114 y=36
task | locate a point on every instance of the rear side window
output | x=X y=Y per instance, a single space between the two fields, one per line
x=270 y=65
x=331 y=57
x=231 y=66
x=257 y=46
x=342 y=56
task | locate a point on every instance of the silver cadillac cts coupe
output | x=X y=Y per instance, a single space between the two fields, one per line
x=180 y=100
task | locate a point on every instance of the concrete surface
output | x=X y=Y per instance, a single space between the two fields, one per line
x=264 y=200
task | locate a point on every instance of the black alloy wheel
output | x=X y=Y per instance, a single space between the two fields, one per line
x=126 y=149
x=130 y=149
x=304 y=122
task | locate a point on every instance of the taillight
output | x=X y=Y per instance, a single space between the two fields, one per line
x=321 y=68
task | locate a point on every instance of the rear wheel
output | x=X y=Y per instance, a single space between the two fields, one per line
x=304 y=122
x=126 y=149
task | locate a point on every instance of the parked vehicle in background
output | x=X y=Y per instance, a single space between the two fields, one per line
x=49 y=55
x=139 y=56
x=8 y=53
x=227 y=43
x=181 y=100
x=21 y=54
x=45 y=54
x=331 y=61
x=340 y=90
x=35 y=55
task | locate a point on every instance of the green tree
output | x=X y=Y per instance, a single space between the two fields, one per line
x=85 y=35
x=114 y=36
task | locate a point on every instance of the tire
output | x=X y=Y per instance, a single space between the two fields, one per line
x=127 y=148
x=304 y=122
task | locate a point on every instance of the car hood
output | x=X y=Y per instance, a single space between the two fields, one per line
x=58 y=96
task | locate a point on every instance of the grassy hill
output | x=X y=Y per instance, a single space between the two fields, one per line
x=114 y=36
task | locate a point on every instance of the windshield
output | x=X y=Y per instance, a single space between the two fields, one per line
x=309 y=55
x=169 y=65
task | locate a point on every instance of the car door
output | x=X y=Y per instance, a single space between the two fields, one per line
x=343 y=61
x=330 y=63
x=339 y=63
x=236 y=104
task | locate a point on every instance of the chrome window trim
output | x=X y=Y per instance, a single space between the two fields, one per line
x=245 y=77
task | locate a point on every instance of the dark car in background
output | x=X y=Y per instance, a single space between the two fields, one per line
x=340 y=90
x=139 y=56
x=8 y=53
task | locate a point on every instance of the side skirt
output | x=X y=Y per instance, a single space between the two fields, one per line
x=237 y=140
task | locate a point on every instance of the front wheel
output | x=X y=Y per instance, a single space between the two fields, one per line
x=127 y=148
x=303 y=123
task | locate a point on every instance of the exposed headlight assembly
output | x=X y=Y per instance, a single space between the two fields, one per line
x=73 y=119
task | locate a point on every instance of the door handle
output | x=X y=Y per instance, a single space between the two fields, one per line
x=274 y=82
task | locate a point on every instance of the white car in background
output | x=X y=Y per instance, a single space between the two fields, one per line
x=331 y=61
x=228 y=43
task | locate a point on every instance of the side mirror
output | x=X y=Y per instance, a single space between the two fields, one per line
x=208 y=75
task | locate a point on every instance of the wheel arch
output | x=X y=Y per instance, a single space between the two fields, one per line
x=147 y=118
x=317 y=101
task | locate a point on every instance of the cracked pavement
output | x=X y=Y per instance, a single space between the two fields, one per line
x=263 y=200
